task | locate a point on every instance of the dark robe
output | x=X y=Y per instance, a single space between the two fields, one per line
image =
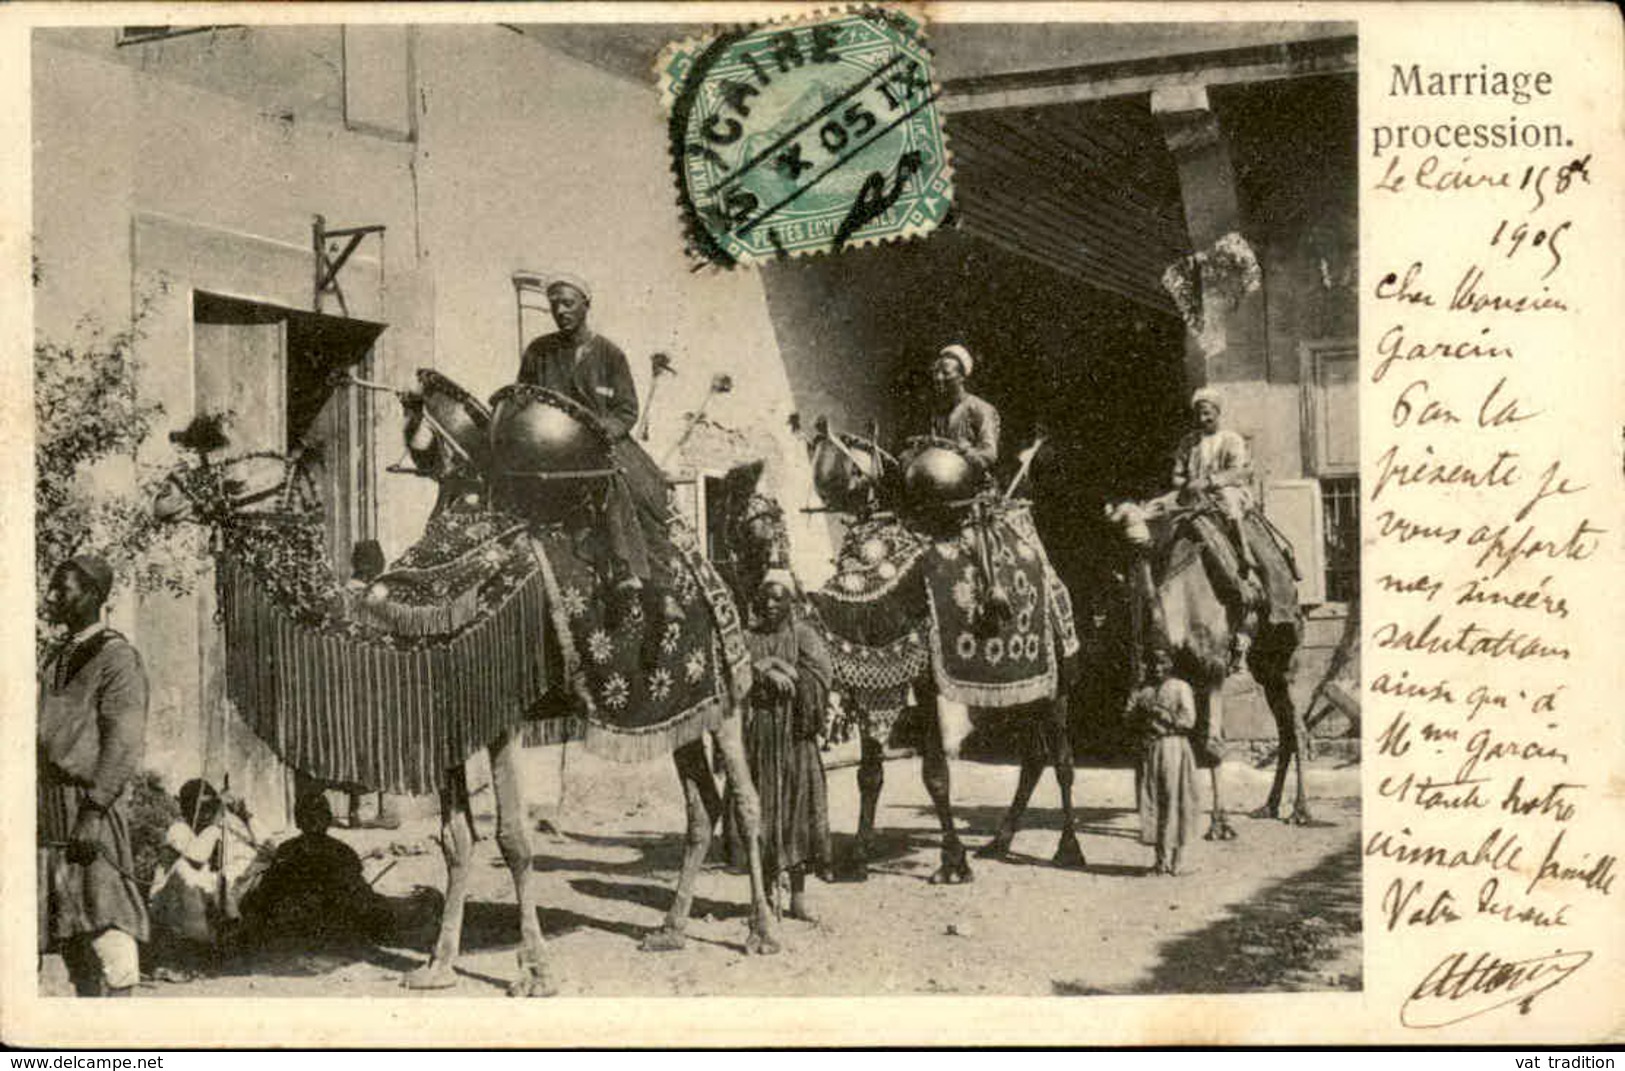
x=596 y=375
x=781 y=745
x=973 y=423
x=314 y=896
x=92 y=727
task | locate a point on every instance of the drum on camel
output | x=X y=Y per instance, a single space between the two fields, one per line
x=463 y=421
x=850 y=475
x=938 y=479
x=548 y=456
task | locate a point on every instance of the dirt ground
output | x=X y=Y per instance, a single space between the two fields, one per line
x=1277 y=908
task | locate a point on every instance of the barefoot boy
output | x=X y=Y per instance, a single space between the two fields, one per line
x=1165 y=713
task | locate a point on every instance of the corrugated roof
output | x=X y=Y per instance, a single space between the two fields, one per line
x=1087 y=189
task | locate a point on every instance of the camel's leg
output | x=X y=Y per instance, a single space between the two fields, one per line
x=1283 y=756
x=1067 y=851
x=513 y=838
x=871 y=778
x=703 y=805
x=1219 y=828
x=730 y=741
x=955 y=869
x=1033 y=761
x=457 y=845
x=1272 y=802
x=1293 y=744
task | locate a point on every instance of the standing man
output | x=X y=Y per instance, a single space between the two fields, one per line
x=959 y=415
x=789 y=712
x=592 y=370
x=92 y=726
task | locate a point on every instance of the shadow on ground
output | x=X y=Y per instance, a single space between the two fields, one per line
x=1291 y=936
x=412 y=923
x=980 y=822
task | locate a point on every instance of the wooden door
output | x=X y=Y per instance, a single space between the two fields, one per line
x=240 y=367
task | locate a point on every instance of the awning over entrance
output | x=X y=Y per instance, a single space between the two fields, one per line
x=1072 y=166
x=317 y=346
x=1086 y=189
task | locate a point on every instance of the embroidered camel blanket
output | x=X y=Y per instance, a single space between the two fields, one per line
x=481 y=627
x=902 y=599
x=645 y=686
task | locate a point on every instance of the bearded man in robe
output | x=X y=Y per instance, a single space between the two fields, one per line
x=91 y=732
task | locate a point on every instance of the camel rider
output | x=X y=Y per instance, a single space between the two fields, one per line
x=592 y=370
x=960 y=416
x=1212 y=469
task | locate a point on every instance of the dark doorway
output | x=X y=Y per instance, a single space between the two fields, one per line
x=274 y=368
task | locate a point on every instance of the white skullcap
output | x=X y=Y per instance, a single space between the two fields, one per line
x=1206 y=394
x=574 y=282
x=781 y=577
x=960 y=354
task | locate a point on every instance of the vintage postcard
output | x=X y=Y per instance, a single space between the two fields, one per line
x=1002 y=524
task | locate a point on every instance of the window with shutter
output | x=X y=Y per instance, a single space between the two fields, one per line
x=1329 y=374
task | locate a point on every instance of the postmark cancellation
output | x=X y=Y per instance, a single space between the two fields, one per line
x=807 y=136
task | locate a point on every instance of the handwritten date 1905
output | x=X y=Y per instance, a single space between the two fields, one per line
x=1515 y=237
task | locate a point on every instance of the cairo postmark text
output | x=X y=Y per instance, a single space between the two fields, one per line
x=806 y=136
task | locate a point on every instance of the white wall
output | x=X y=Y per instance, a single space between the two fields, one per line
x=150 y=184
x=534 y=160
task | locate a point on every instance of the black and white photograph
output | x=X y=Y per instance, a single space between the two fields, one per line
x=842 y=505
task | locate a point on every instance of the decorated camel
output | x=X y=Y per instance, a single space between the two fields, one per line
x=957 y=605
x=490 y=631
x=1187 y=590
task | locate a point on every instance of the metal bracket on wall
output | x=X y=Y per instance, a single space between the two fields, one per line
x=330 y=259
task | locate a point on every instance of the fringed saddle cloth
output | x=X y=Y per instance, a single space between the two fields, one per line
x=988 y=662
x=392 y=685
x=901 y=600
x=875 y=614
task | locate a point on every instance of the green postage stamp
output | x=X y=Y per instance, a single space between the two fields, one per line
x=806 y=136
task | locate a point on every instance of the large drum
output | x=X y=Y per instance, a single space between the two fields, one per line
x=461 y=424
x=548 y=456
x=938 y=477
x=851 y=476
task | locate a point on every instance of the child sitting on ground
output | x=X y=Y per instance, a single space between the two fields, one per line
x=314 y=896
x=1165 y=713
x=211 y=860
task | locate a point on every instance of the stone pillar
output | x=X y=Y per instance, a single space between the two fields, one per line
x=1225 y=332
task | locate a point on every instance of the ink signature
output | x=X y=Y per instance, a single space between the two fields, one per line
x=1459 y=988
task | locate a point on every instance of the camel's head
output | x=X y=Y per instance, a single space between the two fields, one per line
x=212 y=492
x=176 y=497
x=447 y=430
x=752 y=517
x=429 y=457
x=1133 y=521
x=754 y=534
